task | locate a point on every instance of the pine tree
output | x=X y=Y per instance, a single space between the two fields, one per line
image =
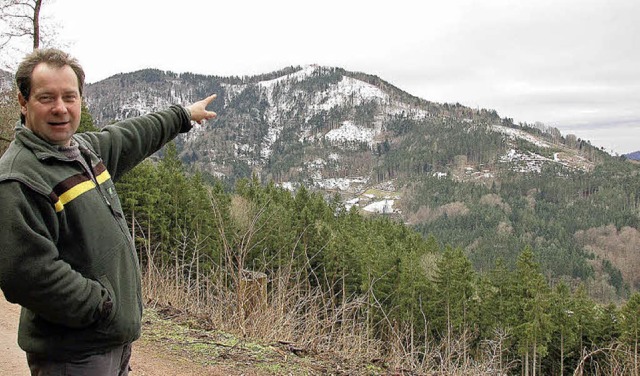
x=535 y=326
x=630 y=326
x=584 y=310
x=140 y=192
x=499 y=309
x=565 y=328
x=86 y=120
x=455 y=283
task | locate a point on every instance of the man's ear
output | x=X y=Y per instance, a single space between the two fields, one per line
x=23 y=104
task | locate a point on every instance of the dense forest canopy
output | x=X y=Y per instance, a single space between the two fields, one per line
x=419 y=282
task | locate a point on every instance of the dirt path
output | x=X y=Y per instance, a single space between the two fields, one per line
x=146 y=359
x=12 y=358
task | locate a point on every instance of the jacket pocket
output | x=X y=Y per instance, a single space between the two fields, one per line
x=104 y=281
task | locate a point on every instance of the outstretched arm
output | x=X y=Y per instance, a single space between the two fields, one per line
x=199 y=110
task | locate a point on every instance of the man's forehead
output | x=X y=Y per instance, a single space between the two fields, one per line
x=48 y=77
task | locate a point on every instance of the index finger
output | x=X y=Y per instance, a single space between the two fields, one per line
x=210 y=98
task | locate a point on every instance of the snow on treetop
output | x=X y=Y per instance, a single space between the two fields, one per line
x=305 y=72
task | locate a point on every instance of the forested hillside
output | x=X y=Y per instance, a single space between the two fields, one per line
x=467 y=176
x=552 y=211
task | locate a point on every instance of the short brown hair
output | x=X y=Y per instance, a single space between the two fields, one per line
x=52 y=57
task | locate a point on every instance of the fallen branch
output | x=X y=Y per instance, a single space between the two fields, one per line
x=296 y=350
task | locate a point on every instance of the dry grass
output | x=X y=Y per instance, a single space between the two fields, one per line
x=290 y=314
x=310 y=321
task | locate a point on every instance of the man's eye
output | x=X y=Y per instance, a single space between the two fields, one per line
x=45 y=99
x=70 y=98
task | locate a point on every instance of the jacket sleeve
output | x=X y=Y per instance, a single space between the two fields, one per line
x=31 y=272
x=125 y=144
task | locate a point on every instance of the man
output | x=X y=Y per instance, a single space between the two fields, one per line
x=66 y=255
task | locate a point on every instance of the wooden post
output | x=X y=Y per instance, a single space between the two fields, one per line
x=253 y=290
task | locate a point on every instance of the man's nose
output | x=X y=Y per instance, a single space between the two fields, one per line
x=59 y=107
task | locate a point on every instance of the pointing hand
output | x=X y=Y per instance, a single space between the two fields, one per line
x=199 y=110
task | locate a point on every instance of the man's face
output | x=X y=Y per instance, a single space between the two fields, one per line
x=53 y=109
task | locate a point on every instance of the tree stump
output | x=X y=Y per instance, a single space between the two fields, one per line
x=253 y=292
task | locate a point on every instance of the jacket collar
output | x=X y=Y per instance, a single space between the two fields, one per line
x=40 y=148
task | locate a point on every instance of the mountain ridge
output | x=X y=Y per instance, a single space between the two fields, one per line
x=635 y=156
x=328 y=90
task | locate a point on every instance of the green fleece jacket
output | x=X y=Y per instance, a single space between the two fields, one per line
x=66 y=255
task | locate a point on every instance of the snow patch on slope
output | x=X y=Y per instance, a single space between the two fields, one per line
x=348 y=90
x=350 y=132
x=382 y=207
x=517 y=133
x=529 y=162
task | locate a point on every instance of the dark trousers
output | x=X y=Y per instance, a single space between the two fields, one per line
x=112 y=363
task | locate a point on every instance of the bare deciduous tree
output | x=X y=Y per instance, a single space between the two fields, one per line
x=21 y=21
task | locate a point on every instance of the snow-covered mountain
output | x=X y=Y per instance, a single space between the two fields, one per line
x=339 y=131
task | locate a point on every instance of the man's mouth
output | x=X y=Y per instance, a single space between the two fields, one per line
x=58 y=123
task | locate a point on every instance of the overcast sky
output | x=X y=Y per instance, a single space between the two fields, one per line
x=571 y=64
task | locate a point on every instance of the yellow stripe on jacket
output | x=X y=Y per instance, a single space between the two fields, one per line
x=79 y=189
